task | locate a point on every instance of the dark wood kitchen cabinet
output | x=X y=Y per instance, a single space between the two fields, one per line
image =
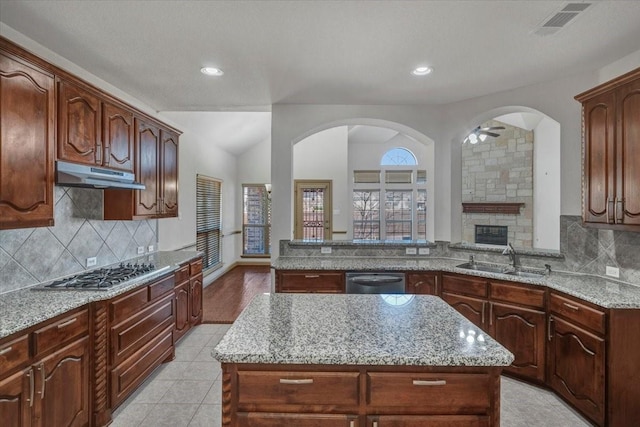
x=27 y=138
x=195 y=289
x=424 y=283
x=92 y=130
x=156 y=166
x=611 y=153
x=322 y=281
x=469 y=296
x=51 y=385
x=188 y=297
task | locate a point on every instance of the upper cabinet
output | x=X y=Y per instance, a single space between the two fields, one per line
x=156 y=166
x=611 y=153
x=27 y=126
x=93 y=131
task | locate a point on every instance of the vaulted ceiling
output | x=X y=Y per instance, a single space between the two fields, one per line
x=322 y=52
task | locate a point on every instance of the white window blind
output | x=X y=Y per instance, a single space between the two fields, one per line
x=366 y=177
x=208 y=220
x=398 y=177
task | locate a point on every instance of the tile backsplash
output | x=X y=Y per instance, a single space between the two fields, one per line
x=33 y=255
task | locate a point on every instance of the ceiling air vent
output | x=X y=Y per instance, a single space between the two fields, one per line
x=561 y=18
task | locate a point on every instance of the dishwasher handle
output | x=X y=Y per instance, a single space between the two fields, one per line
x=377 y=281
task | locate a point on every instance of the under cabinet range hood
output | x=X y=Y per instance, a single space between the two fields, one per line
x=76 y=175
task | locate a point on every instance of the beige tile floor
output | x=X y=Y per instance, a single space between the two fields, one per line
x=186 y=393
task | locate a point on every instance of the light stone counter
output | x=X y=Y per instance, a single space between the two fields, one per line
x=327 y=329
x=605 y=292
x=27 y=307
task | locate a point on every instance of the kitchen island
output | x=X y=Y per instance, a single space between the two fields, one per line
x=358 y=360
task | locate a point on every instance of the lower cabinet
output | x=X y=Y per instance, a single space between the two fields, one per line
x=310 y=281
x=368 y=396
x=425 y=283
x=188 y=298
x=470 y=307
x=50 y=388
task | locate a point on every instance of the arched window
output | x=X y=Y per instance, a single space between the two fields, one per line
x=398 y=157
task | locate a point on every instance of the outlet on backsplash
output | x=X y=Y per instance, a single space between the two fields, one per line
x=613 y=271
x=140 y=250
x=411 y=251
x=325 y=249
x=91 y=261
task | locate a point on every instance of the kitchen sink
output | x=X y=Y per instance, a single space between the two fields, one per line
x=482 y=267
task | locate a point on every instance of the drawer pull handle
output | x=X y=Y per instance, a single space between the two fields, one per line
x=31 y=386
x=429 y=382
x=311 y=276
x=418 y=284
x=67 y=323
x=43 y=379
x=5 y=350
x=302 y=381
x=571 y=306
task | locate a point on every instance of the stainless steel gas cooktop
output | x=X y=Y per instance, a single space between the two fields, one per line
x=105 y=278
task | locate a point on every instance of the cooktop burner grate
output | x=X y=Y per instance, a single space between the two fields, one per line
x=104 y=278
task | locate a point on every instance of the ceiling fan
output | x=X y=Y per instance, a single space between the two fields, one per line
x=480 y=134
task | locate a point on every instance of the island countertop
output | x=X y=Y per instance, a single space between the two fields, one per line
x=397 y=330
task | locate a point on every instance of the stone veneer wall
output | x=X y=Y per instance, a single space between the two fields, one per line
x=500 y=170
x=33 y=255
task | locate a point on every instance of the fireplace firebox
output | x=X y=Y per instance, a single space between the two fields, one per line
x=492 y=234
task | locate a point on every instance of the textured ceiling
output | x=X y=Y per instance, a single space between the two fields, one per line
x=322 y=52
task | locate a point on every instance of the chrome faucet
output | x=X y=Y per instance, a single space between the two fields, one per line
x=513 y=256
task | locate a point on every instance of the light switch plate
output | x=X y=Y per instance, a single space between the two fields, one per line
x=423 y=251
x=613 y=271
x=140 y=250
x=411 y=251
x=325 y=249
x=91 y=261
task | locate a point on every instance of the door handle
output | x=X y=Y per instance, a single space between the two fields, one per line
x=31 y=386
x=619 y=211
x=549 y=328
x=5 y=350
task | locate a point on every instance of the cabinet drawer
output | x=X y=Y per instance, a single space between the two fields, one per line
x=195 y=267
x=123 y=307
x=128 y=337
x=61 y=331
x=464 y=285
x=430 y=421
x=161 y=287
x=259 y=389
x=312 y=281
x=517 y=294
x=182 y=274
x=437 y=393
x=298 y=420
x=14 y=353
x=578 y=312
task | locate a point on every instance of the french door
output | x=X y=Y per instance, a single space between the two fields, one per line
x=313 y=210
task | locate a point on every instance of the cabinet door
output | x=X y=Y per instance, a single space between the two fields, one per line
x=26 y=145
x=422 y=283
x=118 y=137
x=576 y=367
x=628 y=192
x=522 y=332
x=169 y=174
x=79 y=125
x=183 y=315
x=310 y=281
x=147 y=170
x=474 y=309
x=62 y=387
x=195 y=284
x=15 y=395
x=599 y=159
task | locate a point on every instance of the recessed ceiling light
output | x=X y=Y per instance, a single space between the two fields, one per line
x=422 y=71
x=211 y=71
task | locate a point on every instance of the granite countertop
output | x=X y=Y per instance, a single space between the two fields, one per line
x=605 y=292
x=422 y=330
x=27 y=307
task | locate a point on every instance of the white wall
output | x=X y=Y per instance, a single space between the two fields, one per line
x=619 y=67
x=546 y=173
x=324 y=156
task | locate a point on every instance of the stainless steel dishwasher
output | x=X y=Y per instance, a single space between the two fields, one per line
x=359 y=282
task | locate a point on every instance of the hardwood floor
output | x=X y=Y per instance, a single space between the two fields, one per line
x=227 y=296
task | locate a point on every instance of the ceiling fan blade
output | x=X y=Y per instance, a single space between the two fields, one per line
x=484 y=132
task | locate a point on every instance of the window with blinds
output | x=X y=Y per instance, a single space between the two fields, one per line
x=208 y=220
x=256 y=220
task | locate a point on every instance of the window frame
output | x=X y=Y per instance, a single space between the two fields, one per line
x=265 y=208
x=209 y=222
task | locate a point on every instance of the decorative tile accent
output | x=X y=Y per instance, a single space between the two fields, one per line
x=32 y=255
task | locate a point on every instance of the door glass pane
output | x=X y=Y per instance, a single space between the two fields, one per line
x=313 y=213
x=366 y=215
x=397 y=214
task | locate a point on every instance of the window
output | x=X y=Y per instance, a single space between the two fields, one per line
x=256 y=220
x=366 y=215
x=392 y=208
x=208 y=220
